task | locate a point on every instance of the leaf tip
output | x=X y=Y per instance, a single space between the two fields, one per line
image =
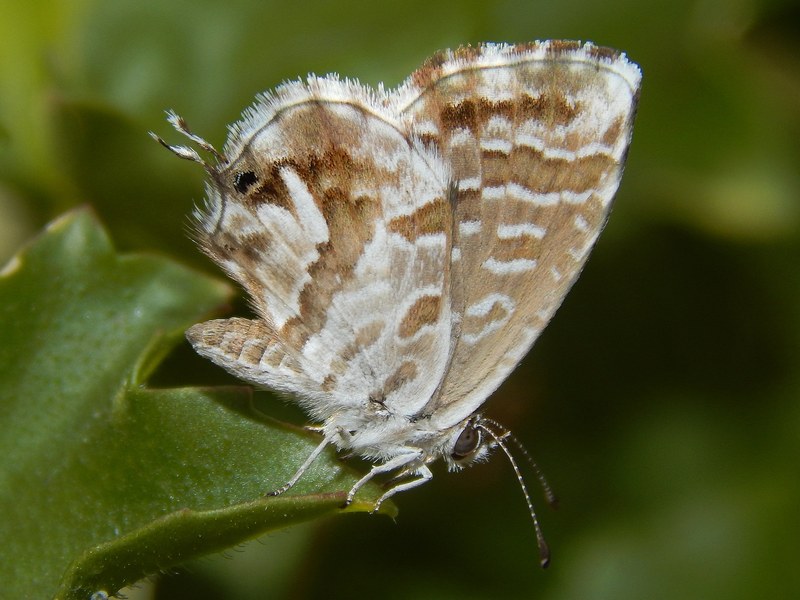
x=11 y=267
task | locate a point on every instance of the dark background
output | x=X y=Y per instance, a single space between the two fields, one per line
x=662 y=402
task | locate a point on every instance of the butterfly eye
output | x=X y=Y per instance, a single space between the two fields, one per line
x=243 y=180
x=467 y=442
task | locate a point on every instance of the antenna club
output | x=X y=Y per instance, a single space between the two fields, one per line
x=544 y=554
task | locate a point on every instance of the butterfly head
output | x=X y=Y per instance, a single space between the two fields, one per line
x=469 y=443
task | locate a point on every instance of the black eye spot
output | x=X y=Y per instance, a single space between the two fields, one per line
x=467 y=442
x=243 y=181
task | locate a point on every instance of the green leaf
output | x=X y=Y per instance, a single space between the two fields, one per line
x=102 y=480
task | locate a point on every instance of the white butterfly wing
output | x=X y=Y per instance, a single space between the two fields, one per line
x=337 y=222
x=536 y=136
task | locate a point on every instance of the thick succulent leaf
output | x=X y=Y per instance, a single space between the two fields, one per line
x=102 y=480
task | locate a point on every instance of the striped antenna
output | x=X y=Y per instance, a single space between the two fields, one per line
x=544 y=549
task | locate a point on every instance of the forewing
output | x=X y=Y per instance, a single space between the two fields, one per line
x=337 y=223
x=536 y=136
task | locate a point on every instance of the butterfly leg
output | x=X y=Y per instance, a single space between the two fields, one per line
x=303 y=468
x=397 y=462
x=424 y=475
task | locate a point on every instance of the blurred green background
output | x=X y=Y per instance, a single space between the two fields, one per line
x=662 y=402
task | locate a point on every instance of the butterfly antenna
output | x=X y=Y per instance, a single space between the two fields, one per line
x=551 y=498
x=544 y=549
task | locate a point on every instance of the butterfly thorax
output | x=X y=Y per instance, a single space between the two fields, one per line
x=382 y=437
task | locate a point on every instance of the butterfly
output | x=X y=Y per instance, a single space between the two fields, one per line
x=403 y=249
